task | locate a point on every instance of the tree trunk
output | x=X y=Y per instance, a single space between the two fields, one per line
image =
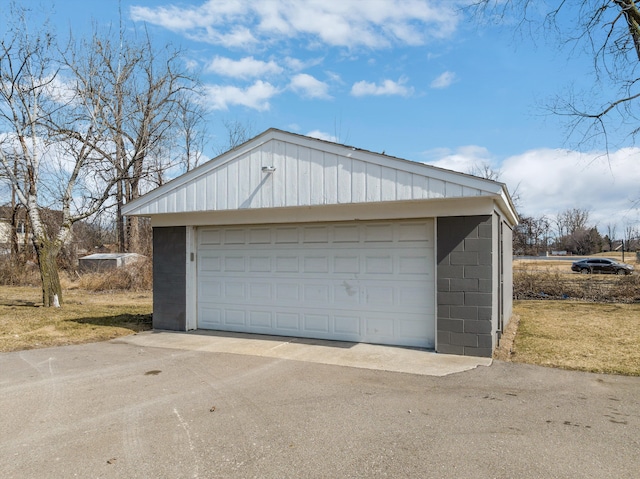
x=47 y=252
x=120 y=229
x=133 y=234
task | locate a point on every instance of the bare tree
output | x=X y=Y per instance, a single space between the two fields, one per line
x=237 y=133
x=485 y=170
x=631 y=233
x=609 y=30
x=191 y=121
x=139 y=98
x=78 y=123
x=27 y=72
x=572 y=220
x=610 y=234
x=531 y=236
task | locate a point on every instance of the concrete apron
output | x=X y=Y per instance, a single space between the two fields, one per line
x=356 y=355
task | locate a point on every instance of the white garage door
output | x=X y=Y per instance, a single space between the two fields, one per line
x=365 y=281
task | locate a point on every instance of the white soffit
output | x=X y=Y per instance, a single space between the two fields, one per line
x=280 y=169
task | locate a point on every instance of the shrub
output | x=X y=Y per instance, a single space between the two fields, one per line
x=137 y=276
x=18 y=272
x=531 y=283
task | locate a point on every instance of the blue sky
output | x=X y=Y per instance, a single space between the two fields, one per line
x=417 y=79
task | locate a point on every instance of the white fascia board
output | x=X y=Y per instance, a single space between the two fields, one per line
x=506 y=205
x=352 y=212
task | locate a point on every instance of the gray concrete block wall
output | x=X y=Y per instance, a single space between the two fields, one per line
x=464 y=288
x=169 y=278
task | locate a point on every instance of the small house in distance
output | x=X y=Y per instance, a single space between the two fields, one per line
x=105 y=261
x=294 y=236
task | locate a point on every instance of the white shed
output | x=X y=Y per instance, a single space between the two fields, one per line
x=295 y=236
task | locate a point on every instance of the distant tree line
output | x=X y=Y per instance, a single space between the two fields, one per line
x=570 y=231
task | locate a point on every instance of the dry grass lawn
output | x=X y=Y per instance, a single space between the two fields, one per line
x=596 y=337
x=84 y=317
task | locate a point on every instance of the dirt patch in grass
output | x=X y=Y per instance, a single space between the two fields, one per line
x=84 y=317
x=585 y=336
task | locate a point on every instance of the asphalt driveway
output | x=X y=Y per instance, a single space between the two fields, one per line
x=122 y=410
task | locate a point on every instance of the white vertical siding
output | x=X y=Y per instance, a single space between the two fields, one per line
x=388 y=184
x=330 y=179
x=373 y=182
x=344 y=180
x=304 y=176
x=317 y=177
x=358 y=181
x=291 y=164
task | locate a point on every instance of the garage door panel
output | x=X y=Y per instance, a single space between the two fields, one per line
x=345 y=234
x=260 y=292
x=234 y=264
x=234 y=317
x=259 y=236
x=315 y=264
x=346 y=294
x=288 y=322
x=234 y=236
x=209 y=318
x=210 y=237
x=234 y=290
x=316 y=293
x=378 y=264
x=287 y=292
x=210 y=288
x=260 y=264
x=415 y=232
x=211 y=264
x=378 y=233
x=412 y=296
x=413 y=264
x=260 y=319
x=315 y=234
x=319 y=323
x=287 y=264
x=380 y=295
x=371 y=282
x=380 y=327
x=346 y=264
x=348 y=327
x=286 y=235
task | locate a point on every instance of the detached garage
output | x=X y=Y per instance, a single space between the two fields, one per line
x=293 y=236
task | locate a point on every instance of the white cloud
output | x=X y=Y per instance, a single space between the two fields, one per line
x=321 y=135
x=550 y=181
x=334 y=77
x=443 y=80
x=387 y=87
x=256 y=96
x=308 y=86
x=247 y=67
x=344 y=23
x=296 y=64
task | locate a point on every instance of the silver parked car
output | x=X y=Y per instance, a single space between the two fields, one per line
x=601 y=265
